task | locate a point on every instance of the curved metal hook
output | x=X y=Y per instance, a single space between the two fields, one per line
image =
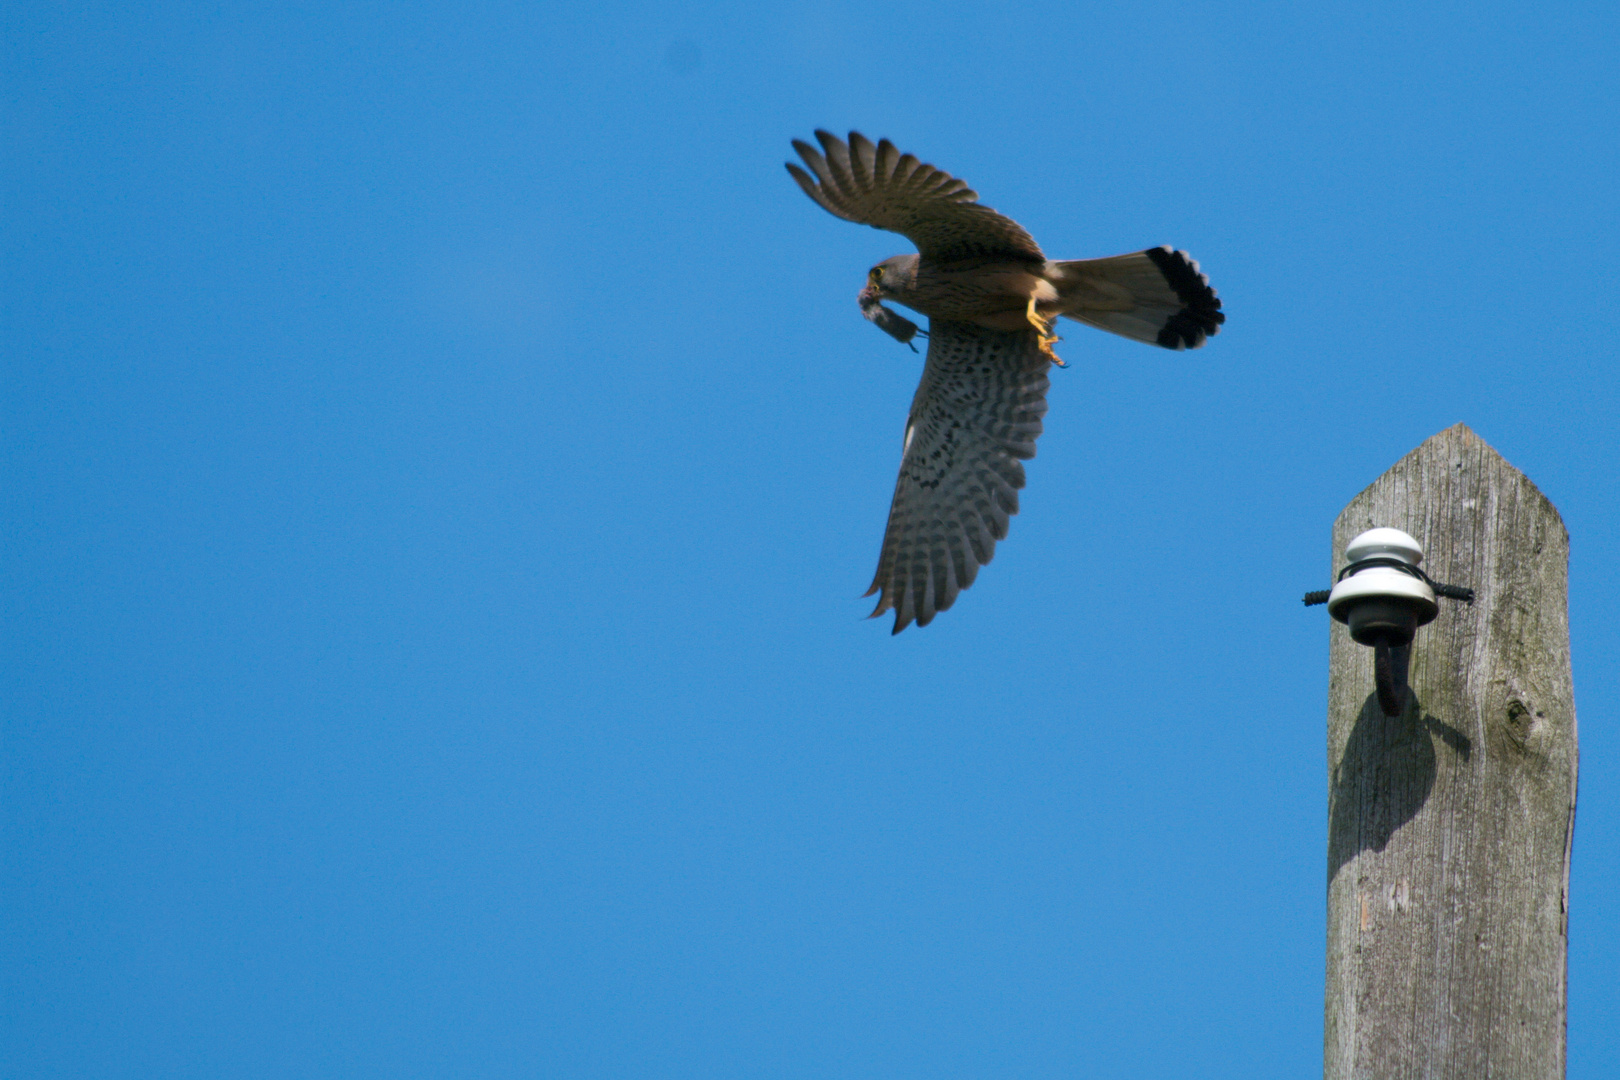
x=1389 y=676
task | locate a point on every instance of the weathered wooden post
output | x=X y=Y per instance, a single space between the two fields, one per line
x=1450 y=824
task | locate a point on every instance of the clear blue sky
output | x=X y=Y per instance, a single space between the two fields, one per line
x=442 y=456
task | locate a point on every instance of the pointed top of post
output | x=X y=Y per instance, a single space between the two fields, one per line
x=1455 y=450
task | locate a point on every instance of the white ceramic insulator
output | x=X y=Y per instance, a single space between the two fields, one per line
x=1383 y=581
x=1385 y=543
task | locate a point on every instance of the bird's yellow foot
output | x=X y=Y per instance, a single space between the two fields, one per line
x=1043 y=332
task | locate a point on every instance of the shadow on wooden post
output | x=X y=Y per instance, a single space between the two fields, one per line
x=1450 y=824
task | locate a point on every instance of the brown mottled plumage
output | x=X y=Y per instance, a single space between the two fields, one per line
x=991 y=297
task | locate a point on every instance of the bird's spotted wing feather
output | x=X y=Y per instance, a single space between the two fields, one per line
x=974 y=419
x=883 y=188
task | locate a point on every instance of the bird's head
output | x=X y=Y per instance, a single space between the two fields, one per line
x=890 y=279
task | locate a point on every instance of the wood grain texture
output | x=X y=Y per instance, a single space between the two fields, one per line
x=1450 y=825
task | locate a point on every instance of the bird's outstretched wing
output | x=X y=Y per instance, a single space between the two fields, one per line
x=974 y=419
x=883 y=188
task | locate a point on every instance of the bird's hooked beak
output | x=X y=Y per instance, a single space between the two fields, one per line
x=871 y=294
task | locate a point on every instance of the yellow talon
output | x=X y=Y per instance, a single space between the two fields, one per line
x=1043 y=331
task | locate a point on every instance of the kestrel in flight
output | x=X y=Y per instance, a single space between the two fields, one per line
x=991 y=298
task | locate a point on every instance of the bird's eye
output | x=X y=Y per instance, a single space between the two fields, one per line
x=876 y=274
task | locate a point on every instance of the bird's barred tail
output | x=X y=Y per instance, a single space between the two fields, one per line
x=1156 y=296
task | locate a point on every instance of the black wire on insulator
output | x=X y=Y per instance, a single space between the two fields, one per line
x=1450 y=592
